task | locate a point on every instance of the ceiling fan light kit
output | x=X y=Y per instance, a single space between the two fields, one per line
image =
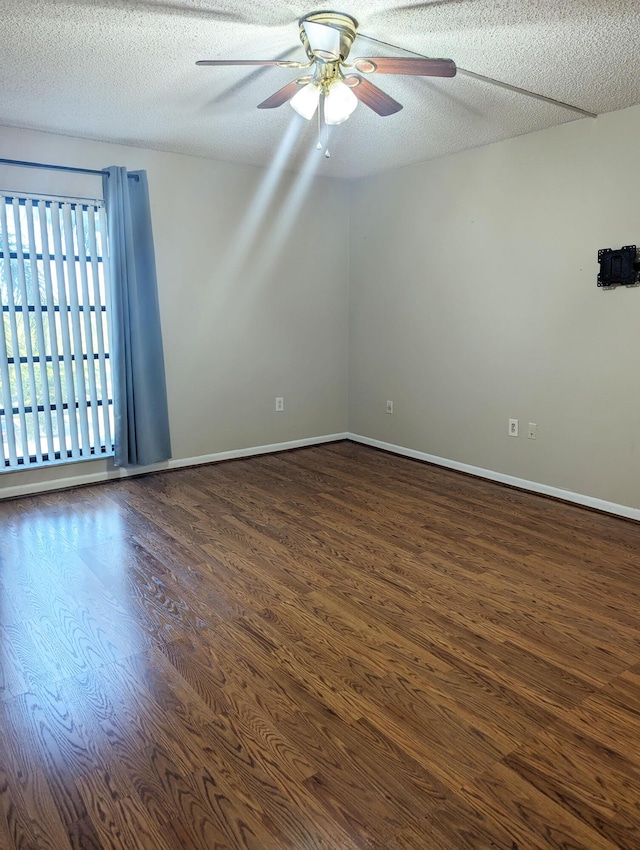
x=305 y=102
x=327 y=38
x=339 y=103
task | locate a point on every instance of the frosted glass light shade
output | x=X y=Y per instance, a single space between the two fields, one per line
x=339 y=103
x=305 y=101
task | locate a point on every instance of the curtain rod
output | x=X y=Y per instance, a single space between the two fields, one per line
x=50 y=167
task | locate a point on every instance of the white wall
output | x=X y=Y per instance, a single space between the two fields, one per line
x=234 y=338
x=473 y=299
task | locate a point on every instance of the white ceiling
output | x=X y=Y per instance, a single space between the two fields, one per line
x=125 y=72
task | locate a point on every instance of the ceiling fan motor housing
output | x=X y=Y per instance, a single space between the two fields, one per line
x=345 y=25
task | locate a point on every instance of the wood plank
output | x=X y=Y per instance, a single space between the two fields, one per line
x=528 y=815
x=598 y=785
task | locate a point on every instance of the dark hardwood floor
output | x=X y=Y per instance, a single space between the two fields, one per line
x=331 y=648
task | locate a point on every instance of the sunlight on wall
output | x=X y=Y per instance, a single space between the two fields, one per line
x=240 y=249
x=283 y=224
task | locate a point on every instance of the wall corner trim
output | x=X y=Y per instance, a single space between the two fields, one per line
x=522 y=483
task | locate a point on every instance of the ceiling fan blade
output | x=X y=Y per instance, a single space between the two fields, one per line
x=248 y=62
x=281 y=96
x=323 y=40
x=372 y=96
x=418 y=67
x=491 y=80
x=247 y=78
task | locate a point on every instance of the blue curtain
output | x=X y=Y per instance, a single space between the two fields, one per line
x=139 y=384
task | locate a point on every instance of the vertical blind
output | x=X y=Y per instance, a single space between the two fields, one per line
x=55 y=377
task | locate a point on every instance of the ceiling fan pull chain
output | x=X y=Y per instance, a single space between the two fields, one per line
x=320 y=144
x=327 y=153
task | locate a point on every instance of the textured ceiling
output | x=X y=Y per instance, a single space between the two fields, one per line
x=125 y=72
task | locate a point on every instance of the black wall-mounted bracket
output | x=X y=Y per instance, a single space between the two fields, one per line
x=618 y=267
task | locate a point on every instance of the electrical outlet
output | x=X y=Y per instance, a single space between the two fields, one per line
x=531 y=433
x=279 y=404
x=513 y=427
x=389 y=407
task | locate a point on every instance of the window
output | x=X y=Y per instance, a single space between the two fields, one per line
x=55 y=378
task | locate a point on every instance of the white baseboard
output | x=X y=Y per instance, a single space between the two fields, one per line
x=522 y=483
x=255 y=450
x=175 y=463
x=216 y=457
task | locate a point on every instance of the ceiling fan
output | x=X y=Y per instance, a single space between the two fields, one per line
x=327 y=38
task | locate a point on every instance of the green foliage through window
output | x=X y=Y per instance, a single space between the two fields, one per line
x=55 y=377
